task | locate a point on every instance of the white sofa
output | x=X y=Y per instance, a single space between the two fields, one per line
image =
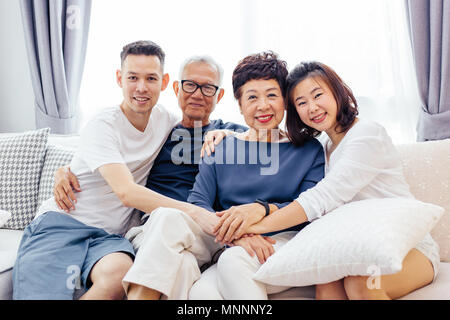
x=426 y=167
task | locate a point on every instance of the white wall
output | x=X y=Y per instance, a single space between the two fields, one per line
x=16 y=92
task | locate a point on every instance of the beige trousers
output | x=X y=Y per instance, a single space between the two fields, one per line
x=170 y=248
x=232 y=277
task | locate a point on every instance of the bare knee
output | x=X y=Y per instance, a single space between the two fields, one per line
x=358 y=288
x=324 y=292
x=108 y=273
x=114 y=265
x=331 y=291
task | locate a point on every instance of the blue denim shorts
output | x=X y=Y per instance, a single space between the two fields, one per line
x=56 y=255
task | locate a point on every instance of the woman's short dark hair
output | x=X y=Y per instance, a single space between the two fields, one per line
x=143 y=47
x=347 y=107
x=259 y=66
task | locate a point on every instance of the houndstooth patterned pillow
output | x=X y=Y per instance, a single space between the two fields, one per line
x=21 y=162
x=55 y=157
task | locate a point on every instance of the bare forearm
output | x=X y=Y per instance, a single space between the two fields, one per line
x=119 y=177
x=147 y=200
x=291 y=215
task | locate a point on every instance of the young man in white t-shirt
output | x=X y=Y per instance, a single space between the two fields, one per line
x=116 y=152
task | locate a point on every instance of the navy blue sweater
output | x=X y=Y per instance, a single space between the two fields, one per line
x=173 y=173
x=240 y=172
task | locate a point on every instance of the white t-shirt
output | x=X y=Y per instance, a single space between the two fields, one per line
x=364 y=165
x=111 y=138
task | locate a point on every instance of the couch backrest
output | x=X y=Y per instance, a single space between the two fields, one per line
x=426 y=166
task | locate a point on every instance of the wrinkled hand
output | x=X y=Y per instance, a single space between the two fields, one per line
x=65 y=183
x=205 y=219
x=213 y=138
x=235 y=221
x=260 y=245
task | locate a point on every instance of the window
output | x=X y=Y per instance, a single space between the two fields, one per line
x=365 y=41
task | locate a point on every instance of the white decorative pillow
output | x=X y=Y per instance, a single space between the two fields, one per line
x=4 y=216
x=368 y=237
x=21 y=162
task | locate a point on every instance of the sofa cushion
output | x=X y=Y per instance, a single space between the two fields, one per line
x=437 y=290
x=368 y=237
x=9 y=244
x=6 y=287
x=55 y=157
x=295 y=293
x=21 y=162
x=426 y=168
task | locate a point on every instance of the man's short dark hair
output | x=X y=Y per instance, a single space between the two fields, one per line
x=143 y=47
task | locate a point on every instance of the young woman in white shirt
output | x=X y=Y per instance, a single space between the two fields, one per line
x=361 y=163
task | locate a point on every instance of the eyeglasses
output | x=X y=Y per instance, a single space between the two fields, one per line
x=207 y=89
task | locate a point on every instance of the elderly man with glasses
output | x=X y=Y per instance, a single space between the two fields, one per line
x=198 y=92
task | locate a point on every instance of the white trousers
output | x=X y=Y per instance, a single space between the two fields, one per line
x=170 y=248
x=232 y=277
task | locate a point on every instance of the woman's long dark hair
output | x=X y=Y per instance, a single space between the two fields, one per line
x=347 y=107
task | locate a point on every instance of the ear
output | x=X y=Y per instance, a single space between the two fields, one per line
x=119 y=77
x=165 y=81
x=176 y=87
x=220 y=95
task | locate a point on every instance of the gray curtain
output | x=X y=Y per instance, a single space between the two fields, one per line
x=56 y=33
x=429 y=22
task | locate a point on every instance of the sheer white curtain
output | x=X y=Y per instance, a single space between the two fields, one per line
x=365 y=41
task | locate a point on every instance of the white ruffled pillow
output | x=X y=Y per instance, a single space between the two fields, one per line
x=367 y=237
x=4 y=216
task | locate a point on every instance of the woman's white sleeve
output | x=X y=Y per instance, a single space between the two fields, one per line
x=361 y=160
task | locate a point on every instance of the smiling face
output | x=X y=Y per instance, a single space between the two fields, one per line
x=196 y=106
x=142 y=80
x=315 y=104
x=262 y=104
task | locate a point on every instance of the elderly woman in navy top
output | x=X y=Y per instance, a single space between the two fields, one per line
x=253 y=170
x=258 y=164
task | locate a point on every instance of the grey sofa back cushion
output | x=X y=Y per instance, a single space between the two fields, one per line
x=21 y=161
x=55 y=157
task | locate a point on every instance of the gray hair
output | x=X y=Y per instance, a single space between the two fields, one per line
x=204 y=59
